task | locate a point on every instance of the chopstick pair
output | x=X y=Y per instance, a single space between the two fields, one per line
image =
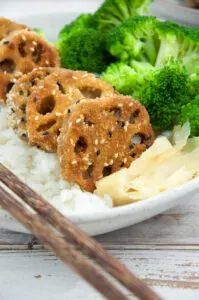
x=75 y=248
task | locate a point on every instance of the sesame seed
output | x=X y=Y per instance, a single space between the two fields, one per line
x=90 y=163
x=53 y=92
x=125 y=160
x=45 y=133
x=96 y=142
x=14 y=80
x=127 y=123
x=111 y=162
x=74 y=162
x=47 y=62
x=102 y=141
x=116 y=155
x=23 y=38
x=85 y=75
x=71 y=141
x=78 y=120
x=131 y=104
x=70 y=90
x=106 y=165
x=131 y=146
x=36 y=118
x=112 y=128
x=32 y=49
x=74 y=77
x=85 y=158
x=70 y=124
x=34 y=43
x=98 y=152
x=110 y=134
x=60 y=159
x=120 y=105
x=58 y=114
x=125 y=128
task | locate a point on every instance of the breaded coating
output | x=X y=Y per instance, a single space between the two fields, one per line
x=48 y=103
x=7 y=26
x=18 y=97
x=23 y=51
x=101 y=136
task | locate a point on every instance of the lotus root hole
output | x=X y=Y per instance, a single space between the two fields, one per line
x=21 y=49
x=117 y=112
x=9 y=86
x=81 y=145
x=46 y=126
x=46 y=105
x=89 y=92
x=137 y=139
x=107 y=171
x=7 y=65
x=133 y=117
x=36 y=54
x=86 y=174
x=61 y=88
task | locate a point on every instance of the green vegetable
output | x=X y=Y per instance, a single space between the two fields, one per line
x=190 y=112
x=114 y=12
x=194 y=83
x=83 y=49
x=83 y=21
x=135 y=38
x=189 y=49
x=170 y=38
x=40 y=32
x=164 y=92
x=127 y=79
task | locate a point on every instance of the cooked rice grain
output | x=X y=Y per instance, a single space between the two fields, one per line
x=41 y=172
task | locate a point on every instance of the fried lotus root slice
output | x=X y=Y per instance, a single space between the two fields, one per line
x=18 y=97
x=7 y=26
x=48 y=104
x=24 y=51
x=101 y=137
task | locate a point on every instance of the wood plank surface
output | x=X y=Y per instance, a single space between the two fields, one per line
x=163 y=251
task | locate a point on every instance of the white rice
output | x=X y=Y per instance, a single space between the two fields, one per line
x=40 y=171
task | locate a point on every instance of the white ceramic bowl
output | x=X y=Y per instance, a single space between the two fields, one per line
x=114 y=218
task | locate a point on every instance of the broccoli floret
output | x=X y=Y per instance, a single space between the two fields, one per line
x=135 y=38
x=190 y=112
x=163 y=93
x=40 y=32
x=194 y=83
x=83 y=21
x=126 y=79
x=189 y=49
x=170 y=38
x=83 y=49
x=122 y=77
x=178 y=42
x=114 y=12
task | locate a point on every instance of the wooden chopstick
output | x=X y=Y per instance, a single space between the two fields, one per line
x=59 y=246
x=72 y=234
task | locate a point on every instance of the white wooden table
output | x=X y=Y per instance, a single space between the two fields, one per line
x=163 y=251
